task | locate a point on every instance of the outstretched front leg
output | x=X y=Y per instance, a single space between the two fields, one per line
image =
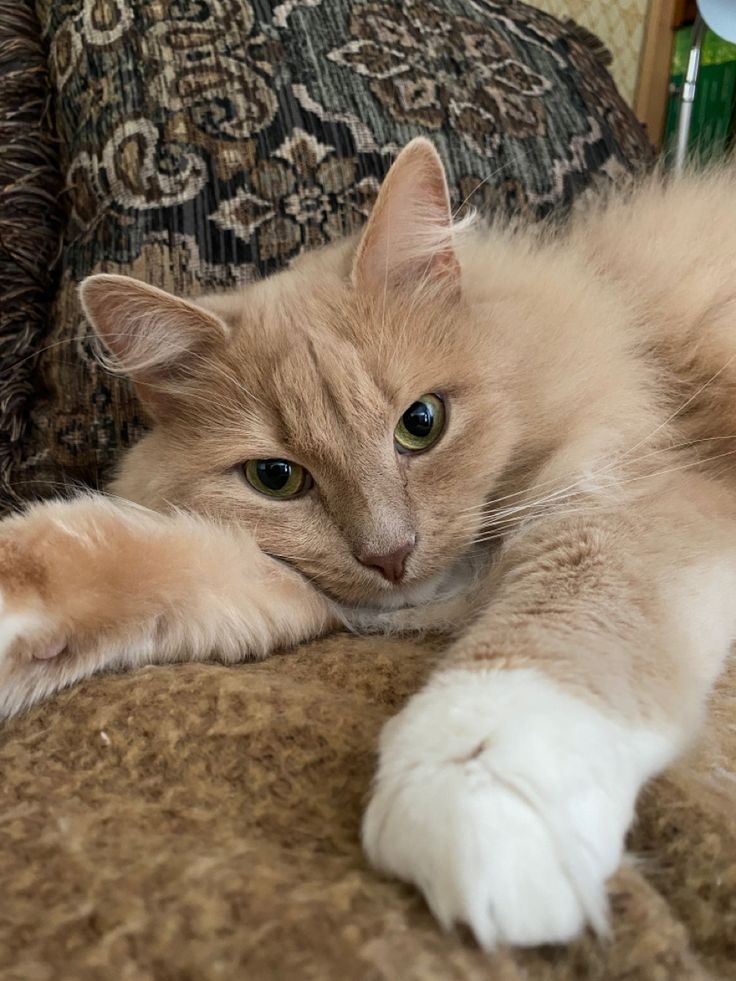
x=93 y=584
x=505 y=788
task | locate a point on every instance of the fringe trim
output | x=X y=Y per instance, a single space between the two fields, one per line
x=590 y=40
x=30 y=225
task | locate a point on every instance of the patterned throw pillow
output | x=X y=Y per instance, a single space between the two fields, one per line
x=205 y=142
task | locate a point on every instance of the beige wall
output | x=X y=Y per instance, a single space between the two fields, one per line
x=618 y=23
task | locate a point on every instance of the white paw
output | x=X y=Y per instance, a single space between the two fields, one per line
x=506 y=801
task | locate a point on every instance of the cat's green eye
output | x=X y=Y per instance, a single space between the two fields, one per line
x=421 y=425
x=277 y=478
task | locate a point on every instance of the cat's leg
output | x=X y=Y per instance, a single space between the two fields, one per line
x=505 y=788
x=92 y=584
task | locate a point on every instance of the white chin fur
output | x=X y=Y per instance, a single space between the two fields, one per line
x=440 y=588
x=505 y=801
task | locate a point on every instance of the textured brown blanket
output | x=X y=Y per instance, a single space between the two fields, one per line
x=202 y=822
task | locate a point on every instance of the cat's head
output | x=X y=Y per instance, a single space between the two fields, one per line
x=344 y=409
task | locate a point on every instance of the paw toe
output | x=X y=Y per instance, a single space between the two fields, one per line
x=49 y=651
x=482 y=855
x=27 y=632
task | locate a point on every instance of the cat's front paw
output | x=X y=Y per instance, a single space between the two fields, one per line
x=31 y=639
x=28 y=631
x=61 y=589
x=506 y=801
x=31 y=550
x=30 y=642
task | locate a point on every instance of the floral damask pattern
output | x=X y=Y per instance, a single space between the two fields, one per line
x=304 y=191
x=435 y=69
x=205 y=142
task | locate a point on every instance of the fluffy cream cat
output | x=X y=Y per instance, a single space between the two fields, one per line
x=521 y=435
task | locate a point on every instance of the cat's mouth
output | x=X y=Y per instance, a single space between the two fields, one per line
x=403 y=595
x=416 y=592
x=437 y=588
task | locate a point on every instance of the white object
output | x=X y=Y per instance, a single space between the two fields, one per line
x=720 y=16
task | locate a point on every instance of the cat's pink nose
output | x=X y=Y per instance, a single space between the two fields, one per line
x=391 y=565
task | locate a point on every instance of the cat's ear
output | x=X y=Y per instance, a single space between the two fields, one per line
x=149 y=333
x=408 y=238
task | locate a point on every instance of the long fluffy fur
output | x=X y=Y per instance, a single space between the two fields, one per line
x=575 y=523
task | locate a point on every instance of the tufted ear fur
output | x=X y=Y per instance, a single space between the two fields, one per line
x=408 y=238
x=149 y=333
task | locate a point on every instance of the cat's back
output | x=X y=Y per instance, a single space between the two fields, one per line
x=668 y=246
x=669 y=243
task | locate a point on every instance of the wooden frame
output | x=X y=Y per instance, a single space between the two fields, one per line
x=650 y=102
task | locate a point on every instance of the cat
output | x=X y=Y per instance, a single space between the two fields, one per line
x=522 y=436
